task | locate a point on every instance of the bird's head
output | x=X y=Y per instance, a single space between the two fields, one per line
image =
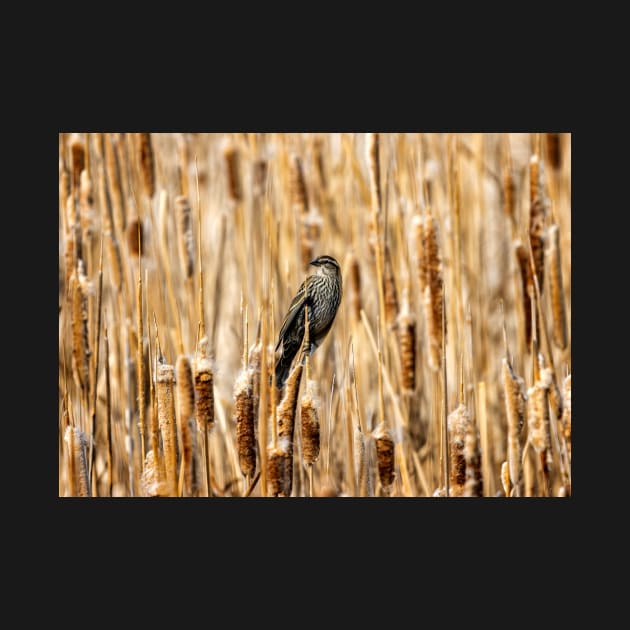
x=326 y=265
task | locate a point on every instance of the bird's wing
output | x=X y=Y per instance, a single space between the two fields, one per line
x=296 y=306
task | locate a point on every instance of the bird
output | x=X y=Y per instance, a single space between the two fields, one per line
x=322 y=297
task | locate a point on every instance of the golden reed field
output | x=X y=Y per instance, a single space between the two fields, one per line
x=447 y=370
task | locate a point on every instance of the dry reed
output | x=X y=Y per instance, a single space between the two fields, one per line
x=166 y=419
x=556 y=288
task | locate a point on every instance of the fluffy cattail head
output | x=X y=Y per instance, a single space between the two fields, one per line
x=204 y=389
x=538 y=412
x=245 y=426
x=514 y=390
x=458 y=426
x=473 y=486
x=166 y=418
x=279 y=472
x=309 y=414
x=77 y=155
x=77 y=442
x=407 y=339
x=147 y=163
x=554 y=266
x=537 y=220
x=186 y=411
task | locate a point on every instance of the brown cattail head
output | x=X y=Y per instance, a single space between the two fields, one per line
x=385 y=456
x=135 y=237
x=107 y=220
x=166 y=418
x=418 y=236
x=473 y=486
x=186 y=412
x=527 y=286
x=537 y=219
x=245 y=426
x=298 y=191
x=204 y=390
x=407 y=339
x=458 y=426
x=80 y=338
x=77 y=442
x=185 y=233
x=309 y=414
x=509 y=194
x=390 y=293
x=355 y=288
x=374 y=163
x=553 y=143
x=433 y=292
x=86 y=205
x=77 y=155
x=514 y=390
x=260 y=177
x=147 y=163
x=278 y=472
x=232 y=167
x=554 y=268
x=182 y=150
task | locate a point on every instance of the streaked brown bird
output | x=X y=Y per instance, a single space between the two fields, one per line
x=322 y=297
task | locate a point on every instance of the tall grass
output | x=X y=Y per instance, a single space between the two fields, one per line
x=179 y=255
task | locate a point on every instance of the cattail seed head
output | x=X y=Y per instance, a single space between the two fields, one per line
x=260 y=177
x=553 y=142
x=406 y=327
x=204 y=390
x=458 y=426
x=360 y=462
x=385 y=455
x=135 y=237
x=166 y=419
x=151 y=484
x=514 y=390
x=185 y=233
x=309 y=414
x=80 y=337
x=245 y=426
x=147 y=163
x=418 y=235
x=86 y=205
x=473 y=486
x=186 y=412
x=232 y=167
x=538 y=412
x=278 y=471
x=554 y=267
x=509 y=194
x=537 y=220
x=527 y=286
x=433 y=292
x=77 y=155
x=355 y=288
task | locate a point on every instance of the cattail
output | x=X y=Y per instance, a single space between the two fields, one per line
x=185 y=415
x=255 y=366
x=244 y=417
x=360 y=461
x=407 y=340
x=297 y=183
x=473 y=487
x=115 y=183
x=318 y=158
x=77 y=153
x=150 y=481
x=566 y=413
x=147 y=163
x=385 y=456
x=505 y=478
x=527 y=285
x=64 y=189
x=77 y=442
x=458 y=426
x=513 y=387
x=390 y=293
x=509 y=194
x=107 y=220
x=185 y=233
x=135 y=237
x=166 y=413
x=374 y=163
x=418 y=237
x=433 y=292
x=354 y=295
x=538 y=420
x=309 y=414
x=204 y=390
x=260 y=177
x=278 y=470
x=80 y=337
x=554 y=149
x=86 y=203
x=536 y=219
x=286 y=419
x=232 y=167
x=554 y=267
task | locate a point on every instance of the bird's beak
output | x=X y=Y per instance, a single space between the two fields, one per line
x=314 y=263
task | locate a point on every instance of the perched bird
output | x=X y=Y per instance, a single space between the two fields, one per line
x=322 y=297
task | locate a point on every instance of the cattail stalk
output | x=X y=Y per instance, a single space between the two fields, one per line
x=355 y=288
x=390 y=293
x=147 y=163
x=204 y=399
x=166 y=418
x=185 y=415
x=513 y=387
x=505 y=479
x=108 y=413
x=115 y=183
x=554 y=267
x=185 y=233
x=76 y=442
